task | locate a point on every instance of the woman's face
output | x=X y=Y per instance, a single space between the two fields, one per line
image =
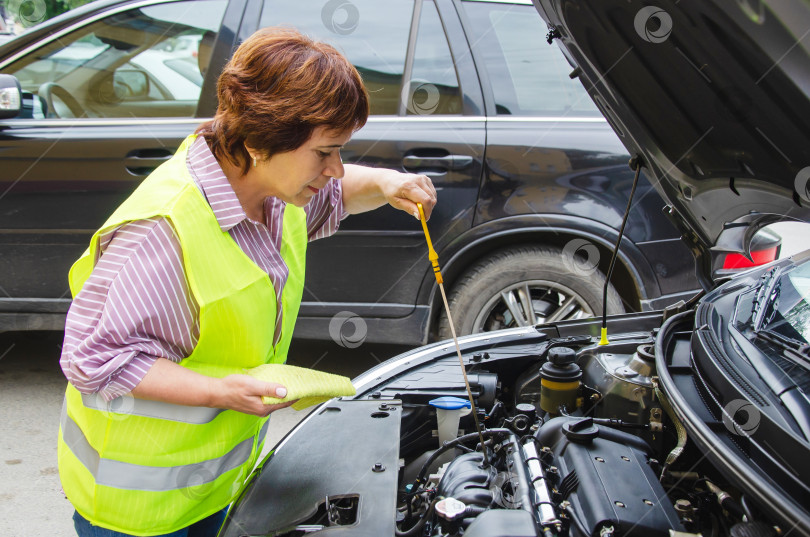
x=296 y=176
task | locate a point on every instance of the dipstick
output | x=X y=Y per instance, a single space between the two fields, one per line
x=434 y=260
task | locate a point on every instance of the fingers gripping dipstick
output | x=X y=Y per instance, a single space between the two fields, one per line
x=434 y=260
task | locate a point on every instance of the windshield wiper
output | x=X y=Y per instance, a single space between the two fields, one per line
x=780 y=380
x=767 y=299
x=784 y=342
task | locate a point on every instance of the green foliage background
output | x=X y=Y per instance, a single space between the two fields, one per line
x=30 y=12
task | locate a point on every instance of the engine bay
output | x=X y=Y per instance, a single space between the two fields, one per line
x=579 y=440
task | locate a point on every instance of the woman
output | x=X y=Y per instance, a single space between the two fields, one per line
x=198 y=276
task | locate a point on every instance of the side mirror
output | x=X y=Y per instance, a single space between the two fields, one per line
x=10 y=96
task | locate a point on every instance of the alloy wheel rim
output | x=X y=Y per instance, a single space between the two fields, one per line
x=528 y=303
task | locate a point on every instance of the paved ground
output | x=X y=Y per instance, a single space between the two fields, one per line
x=31 y=390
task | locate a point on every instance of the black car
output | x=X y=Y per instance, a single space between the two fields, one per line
x=694 y=420
x=532 y=181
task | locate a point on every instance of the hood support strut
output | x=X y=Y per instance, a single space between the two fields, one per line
x=635 y=164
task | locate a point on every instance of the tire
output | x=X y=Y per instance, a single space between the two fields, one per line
x=561 y=287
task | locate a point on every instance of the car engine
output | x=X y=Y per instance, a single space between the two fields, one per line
x=580 y=442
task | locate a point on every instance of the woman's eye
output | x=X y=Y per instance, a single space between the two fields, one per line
x=323 y=154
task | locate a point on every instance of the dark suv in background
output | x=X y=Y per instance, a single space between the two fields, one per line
x=532 y=181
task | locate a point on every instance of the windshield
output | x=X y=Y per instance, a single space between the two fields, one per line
x=791 y=317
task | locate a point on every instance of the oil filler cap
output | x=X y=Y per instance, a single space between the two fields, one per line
x=580 y=430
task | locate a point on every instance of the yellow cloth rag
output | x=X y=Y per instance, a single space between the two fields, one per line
x=309 y=386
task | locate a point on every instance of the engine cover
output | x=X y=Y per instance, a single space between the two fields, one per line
x=606 y=476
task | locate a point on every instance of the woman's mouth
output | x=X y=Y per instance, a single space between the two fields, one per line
x=313 y=189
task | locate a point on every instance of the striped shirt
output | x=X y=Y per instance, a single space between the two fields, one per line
x=137 y=306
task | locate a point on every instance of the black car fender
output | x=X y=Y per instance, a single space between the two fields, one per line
x=633 y=278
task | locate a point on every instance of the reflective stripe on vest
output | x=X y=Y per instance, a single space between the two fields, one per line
x=129 y=405
x=122 y=475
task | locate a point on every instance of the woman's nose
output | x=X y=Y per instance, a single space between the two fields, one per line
x=334 y=166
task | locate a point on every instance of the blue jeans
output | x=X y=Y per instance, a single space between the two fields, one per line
x=207 y=527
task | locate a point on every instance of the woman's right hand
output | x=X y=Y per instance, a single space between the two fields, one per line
x=243 y=393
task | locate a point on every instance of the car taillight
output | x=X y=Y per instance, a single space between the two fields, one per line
x=760 y=257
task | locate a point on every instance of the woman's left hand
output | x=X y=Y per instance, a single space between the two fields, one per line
x=404 y=190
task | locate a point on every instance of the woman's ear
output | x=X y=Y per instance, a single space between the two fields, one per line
x=253 y=155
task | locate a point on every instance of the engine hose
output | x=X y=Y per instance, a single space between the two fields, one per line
x=748 y=514
x=725 y=500
x=574 y=518
x=609 y=422
x=414 y=530
x=679 y=428
x=446 y=446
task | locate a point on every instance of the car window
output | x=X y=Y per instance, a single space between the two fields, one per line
x=528 y=77
x=145 y=62
x=434 y=85
x=372 y=34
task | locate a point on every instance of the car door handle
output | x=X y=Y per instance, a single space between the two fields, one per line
x=447 y=162
x=143 y=161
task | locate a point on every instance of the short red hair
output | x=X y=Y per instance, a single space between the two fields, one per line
x=276 y=89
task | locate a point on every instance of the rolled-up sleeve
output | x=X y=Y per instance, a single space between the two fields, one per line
x=134 y=308
x=325 y=211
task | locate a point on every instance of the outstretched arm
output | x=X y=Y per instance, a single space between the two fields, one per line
x=366 y=188
x=172 y=383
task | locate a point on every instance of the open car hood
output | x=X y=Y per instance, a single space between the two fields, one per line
x=713 y=95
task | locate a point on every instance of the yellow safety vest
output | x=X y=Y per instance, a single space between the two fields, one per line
x=147 y=468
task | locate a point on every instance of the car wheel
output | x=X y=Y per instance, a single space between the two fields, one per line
x=524 y=287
